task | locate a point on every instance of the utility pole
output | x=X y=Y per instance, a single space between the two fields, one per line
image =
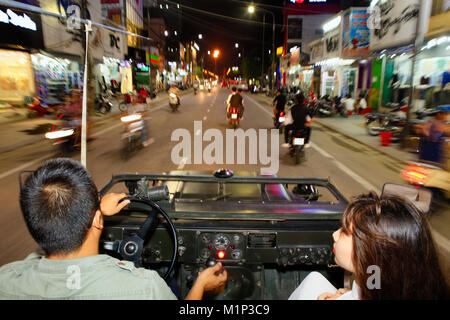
x=262 y=64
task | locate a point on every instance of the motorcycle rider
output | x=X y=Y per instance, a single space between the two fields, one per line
x=235 y=100
x=173 y=89
x=233 y=91
x=280 y=101
x=298 y=118
x=195 y=86
x=139 y=108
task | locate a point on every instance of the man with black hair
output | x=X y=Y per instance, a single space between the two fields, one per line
x=279 y=102
x=235 y=100
x=64 y=214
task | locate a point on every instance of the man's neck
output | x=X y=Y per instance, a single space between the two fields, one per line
x=88 y=248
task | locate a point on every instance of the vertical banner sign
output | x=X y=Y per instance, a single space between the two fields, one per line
x=355 y=34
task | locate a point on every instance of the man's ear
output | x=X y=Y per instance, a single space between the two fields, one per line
x=97 y=223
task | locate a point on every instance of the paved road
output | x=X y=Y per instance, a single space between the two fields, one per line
x=352 y=167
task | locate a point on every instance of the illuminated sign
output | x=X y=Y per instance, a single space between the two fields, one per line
x=20 y=21
x=279 y=51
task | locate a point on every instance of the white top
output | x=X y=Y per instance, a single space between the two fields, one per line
x=349 y=104
x=362 y=103
x=316 y=284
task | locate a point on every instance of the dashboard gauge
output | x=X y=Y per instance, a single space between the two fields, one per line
x=236 y=239
x=221 y=242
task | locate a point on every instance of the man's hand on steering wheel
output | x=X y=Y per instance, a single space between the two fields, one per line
x=109 y=204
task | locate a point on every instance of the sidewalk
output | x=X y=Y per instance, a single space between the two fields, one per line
x=354 y=128
x=17 y=130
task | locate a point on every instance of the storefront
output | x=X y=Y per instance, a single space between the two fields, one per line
x=108 y=50
x=55 y=76
x=392 y=49
x=20 y=32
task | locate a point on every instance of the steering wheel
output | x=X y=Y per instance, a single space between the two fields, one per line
x=130 y=248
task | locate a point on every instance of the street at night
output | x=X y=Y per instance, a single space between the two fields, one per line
x=264 y=163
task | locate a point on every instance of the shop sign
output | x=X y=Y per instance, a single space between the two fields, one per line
x=317 y=51
x=21 y=21
x=331 y=44
x=355 y=34
x=294 y=58
x=20 y=28
x=279 y=51
x=398 y=20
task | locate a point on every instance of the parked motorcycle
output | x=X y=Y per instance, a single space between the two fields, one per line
x=174 y=102
x=396 y=122
x=132 y=134
x=102 y=104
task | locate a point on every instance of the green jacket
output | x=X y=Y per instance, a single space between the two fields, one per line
x=93 y=277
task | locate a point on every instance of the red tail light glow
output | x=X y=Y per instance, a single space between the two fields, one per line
x=415 y=176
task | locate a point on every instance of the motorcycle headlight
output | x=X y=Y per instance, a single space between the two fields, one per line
x=131 y=118
x=59 y=134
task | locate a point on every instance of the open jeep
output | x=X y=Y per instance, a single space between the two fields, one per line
x=268 y=232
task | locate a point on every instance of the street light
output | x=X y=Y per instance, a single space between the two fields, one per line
x=166 y=33
x=251 y=9
x=200 y=36
x=237 y=45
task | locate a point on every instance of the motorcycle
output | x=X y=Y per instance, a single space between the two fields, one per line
x=102 y=104
x=123 y=105
x=431 y=176
x=297 y=145
x=67 y=137
x=326 y=107
x=174 y=102
x=234 y=118
x=132 y=133
x=395 y=122
x=279 y=121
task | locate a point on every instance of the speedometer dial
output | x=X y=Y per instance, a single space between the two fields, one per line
x=221 y=242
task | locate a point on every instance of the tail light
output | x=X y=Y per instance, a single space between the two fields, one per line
x=281 y=114
x=415 y=176
x=298 y=134
x=234 y=110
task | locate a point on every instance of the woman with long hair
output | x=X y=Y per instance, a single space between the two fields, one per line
x=386 y=243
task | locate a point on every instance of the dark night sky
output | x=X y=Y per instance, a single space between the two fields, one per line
x=223 y=33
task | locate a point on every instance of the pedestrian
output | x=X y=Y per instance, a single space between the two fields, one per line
x=349 y=103
x=361 y=106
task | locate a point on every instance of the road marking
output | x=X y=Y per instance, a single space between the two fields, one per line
x=182 y=163
x=347 y=170
x=204 y=118
x=28 y=164
x=31 y=163
x=198 y=132
x=338 y=164
x=207 y=110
